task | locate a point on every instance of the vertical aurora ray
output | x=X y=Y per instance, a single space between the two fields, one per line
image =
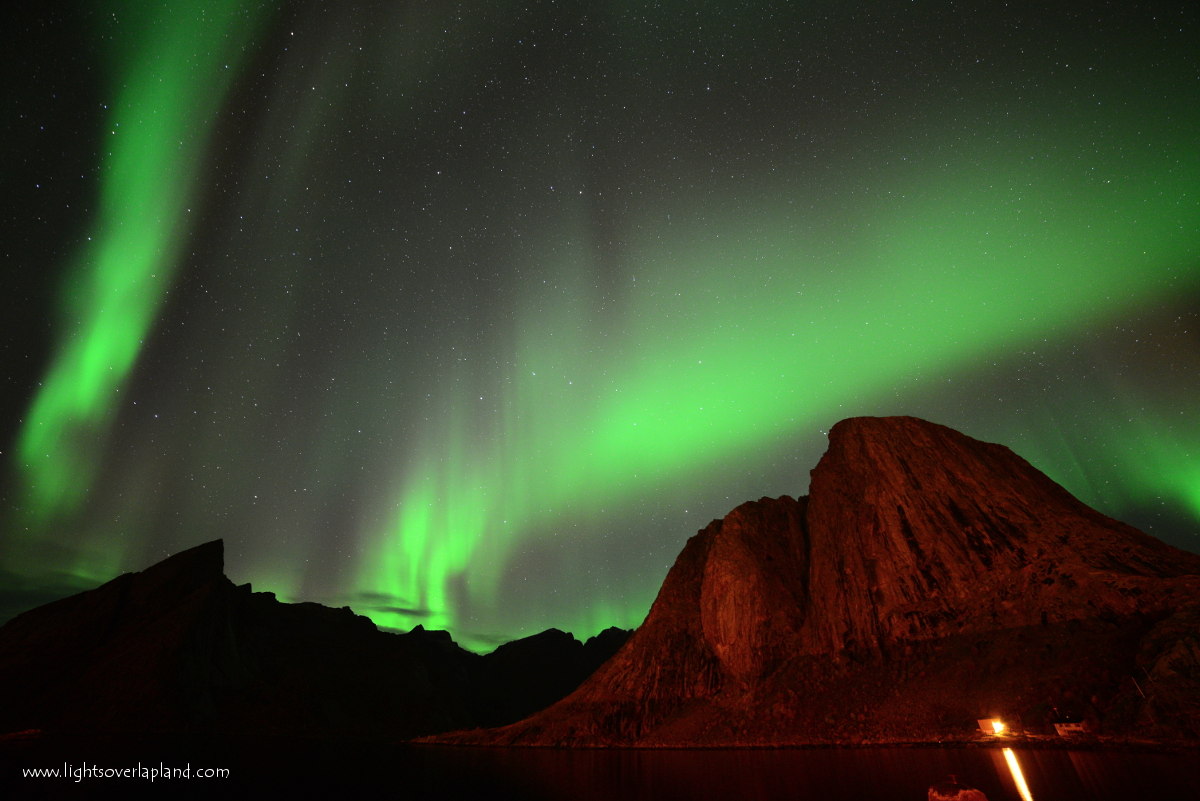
x=171 y=64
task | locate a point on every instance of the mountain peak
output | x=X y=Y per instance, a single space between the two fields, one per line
x=202 y=562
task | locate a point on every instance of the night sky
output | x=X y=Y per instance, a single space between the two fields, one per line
x=469 y=314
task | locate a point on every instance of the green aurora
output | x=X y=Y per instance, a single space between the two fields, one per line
x=736 y=347
x=169 y=76
x=478 y=353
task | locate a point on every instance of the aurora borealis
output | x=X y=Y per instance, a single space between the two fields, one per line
x=469 y=314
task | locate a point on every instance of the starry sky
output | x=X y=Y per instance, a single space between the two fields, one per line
x=468 y=314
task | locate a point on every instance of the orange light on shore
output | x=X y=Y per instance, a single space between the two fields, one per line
x=993 y=727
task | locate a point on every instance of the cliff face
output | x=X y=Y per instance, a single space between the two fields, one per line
x=928 y=579
x=919 y=532
x=179 y=648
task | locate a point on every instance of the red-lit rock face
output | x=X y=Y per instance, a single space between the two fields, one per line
x=912 y=534
x=920 y=532
x=753 y=597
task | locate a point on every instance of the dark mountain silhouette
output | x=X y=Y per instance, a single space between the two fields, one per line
x=179 y=648
x=926 y=581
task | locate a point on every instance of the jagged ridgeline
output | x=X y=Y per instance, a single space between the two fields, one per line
x=179 y=648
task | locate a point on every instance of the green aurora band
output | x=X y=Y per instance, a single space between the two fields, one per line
x=171 y=65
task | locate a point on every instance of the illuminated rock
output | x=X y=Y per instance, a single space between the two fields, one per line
x=928 y=580
x=919 y=532
x=953 y=790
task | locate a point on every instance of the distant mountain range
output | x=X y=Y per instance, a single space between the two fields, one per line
x=928 y=580
x=179 y=648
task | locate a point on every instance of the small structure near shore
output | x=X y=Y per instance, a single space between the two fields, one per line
x=992 y=726
x=1074 y=729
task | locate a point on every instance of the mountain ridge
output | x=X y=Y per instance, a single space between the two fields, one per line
x=178 y=647
x=927 y=580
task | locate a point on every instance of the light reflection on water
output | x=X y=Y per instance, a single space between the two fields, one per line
x=1018 y=776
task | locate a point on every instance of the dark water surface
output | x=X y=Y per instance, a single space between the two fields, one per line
x=883 y=773
x=315 y=770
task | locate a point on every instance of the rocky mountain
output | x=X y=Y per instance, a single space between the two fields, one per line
x=179 y=648
x=927 y=580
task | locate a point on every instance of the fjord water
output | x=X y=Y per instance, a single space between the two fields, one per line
x=853 y=774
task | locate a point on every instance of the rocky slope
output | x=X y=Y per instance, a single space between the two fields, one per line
x=179 y=648
x=927 y=580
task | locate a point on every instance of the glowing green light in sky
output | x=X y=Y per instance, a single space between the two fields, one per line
x=172 y=63
x=737 y=331
x=482 y=324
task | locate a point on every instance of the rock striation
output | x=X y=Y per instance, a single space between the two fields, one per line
x=927 y=580
x=180 y=648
